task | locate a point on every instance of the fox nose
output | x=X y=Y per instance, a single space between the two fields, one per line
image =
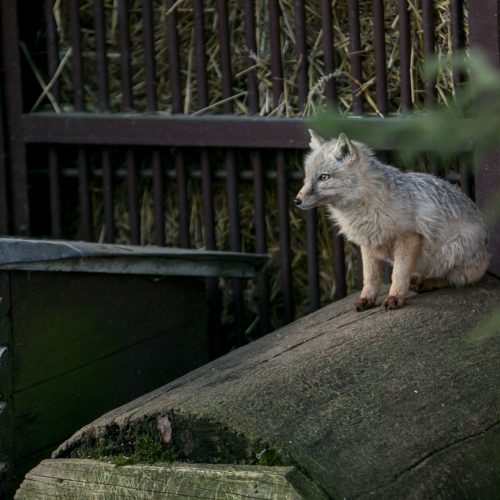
x=297 y=202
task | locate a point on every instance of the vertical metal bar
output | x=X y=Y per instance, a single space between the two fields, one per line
x=207 y=197
x=230 y=164
x=464 y=169
x=101 y=56
x=54 y=177
x=84 y=196
x=77 y=64
x=217 y=343
x=355 y=55
x=257 y=168
x=339 y=269
x=457 y=37
x=225 y=54
x=251 y=45
x=201 y=73
x=404 y=56
x=312 y=261
x=79 y=105
x=108 y=189
x=55 y=194
x=151 y=105
x=356 y=69
x=52 y=46
x=182 y=199
x=176 y=97
x=180 y=167
x=14 y=108
x=281 y=174
x=149 y=54
x=284 y=237
x=380 y=56
x=328 y=52
x=430 y=84
x=301 y=52
x=231 y=171
x=158 y=199
x=133 y=198
x=457 y=44
x=260 y=239
x=104 y=105
x=124 y=44
x=213 y=292
x=4 y=190
x=311 y=216
x=331 y=98
x=429 y=52
x=173 y=56
x=233 y=204
x=127 y=104
x=275 y=45
x=202 y=95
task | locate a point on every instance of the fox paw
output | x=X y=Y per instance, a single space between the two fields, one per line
x=393 y=302
x=363 y=304
x=419 y=284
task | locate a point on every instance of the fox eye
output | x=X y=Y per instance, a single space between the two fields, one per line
x=323 y=177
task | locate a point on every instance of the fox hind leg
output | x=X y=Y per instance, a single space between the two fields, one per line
x=420 y=284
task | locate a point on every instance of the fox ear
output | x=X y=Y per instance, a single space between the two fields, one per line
x=316 y=141
x=343 y=147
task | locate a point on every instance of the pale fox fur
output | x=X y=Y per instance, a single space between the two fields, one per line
x=432 y=233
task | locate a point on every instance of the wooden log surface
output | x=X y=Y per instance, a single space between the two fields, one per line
x=379 y=404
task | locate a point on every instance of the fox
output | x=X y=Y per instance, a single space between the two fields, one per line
x=427 y=228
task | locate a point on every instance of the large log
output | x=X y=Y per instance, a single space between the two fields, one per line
x=380 y=404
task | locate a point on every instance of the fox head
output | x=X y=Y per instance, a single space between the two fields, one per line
x=331 y=176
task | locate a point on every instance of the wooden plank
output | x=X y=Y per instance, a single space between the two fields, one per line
x=77 y=256
x=88 y=479
x=49 y=412
x=163 y=130
x=86 y=343
x=6 y=414
x=63 y=322
x=188 y=131
x=152 y=266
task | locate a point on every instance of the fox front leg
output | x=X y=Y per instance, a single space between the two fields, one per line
x=407 y=251
x=372 y=279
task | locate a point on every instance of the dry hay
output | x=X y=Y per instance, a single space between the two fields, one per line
x=288 y=106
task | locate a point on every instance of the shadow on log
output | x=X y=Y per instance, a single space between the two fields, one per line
x=379 y=404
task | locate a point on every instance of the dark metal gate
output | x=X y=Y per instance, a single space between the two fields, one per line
x=69 y=148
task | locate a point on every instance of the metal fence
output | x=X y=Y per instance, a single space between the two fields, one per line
x=68 y=146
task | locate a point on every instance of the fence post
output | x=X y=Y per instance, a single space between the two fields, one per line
x=484 y=35
x=14 y=109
